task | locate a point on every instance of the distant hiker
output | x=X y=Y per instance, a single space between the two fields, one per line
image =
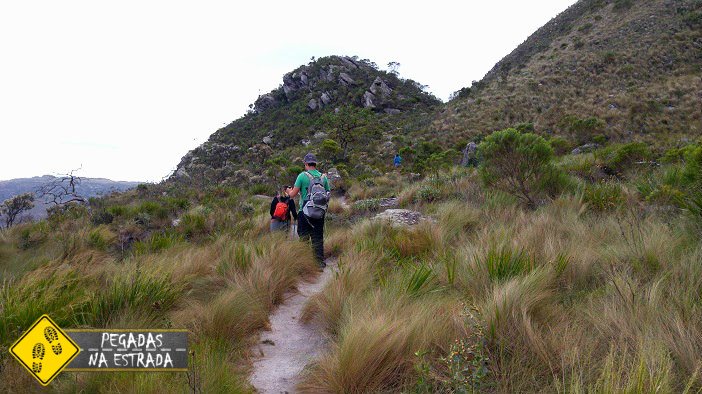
x=313 y=187
x=282 y=211
x=470 y=155
x=397 y=161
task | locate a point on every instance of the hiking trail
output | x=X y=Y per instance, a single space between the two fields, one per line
x=283 y=352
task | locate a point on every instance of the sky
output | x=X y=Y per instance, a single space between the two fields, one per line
x=122 y=90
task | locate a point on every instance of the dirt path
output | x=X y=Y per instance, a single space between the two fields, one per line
x=284 y=351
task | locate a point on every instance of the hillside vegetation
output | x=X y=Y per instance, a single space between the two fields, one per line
x=614 y=69
x=542 y=269
x=592 y=286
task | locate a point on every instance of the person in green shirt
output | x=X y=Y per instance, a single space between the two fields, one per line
x=310 y=229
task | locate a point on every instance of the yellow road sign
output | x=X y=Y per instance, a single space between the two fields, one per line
x=44 y=350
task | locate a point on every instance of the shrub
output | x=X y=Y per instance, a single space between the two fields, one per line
x=619 y=157
x=560 y=145
x=192 y=225
x=583 y=129
x=139 y=296
x=101 y=216
x=603 y=196
x=101 y=238
x=330 y=149
x=516 y=163
x=370 y=205
x=506 y=263
x=262 y=188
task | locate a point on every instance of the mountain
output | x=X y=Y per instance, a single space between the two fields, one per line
x=602 y=69
x=302 y=112
x=620 y=70
x=88 y=187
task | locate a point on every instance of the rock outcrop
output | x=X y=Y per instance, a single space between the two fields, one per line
x=401 y=217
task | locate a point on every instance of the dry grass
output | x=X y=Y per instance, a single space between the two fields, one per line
x=623 y=288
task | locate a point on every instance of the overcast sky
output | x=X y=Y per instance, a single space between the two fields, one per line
x=124 y=89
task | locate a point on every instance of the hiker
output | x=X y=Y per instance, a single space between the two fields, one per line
x=397 y=161
x=470 y=155
x=282 y=211
x=313 y=187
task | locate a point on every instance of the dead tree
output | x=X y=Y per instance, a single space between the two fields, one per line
x=62 y=191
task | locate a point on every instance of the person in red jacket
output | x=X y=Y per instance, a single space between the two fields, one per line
x=282 y=211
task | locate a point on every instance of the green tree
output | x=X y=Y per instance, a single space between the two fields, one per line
x=13 y=207
x=352 y=126
x=330 y=149
x=517 y=163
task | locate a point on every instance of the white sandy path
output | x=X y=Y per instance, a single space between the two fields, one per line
x=294 y=344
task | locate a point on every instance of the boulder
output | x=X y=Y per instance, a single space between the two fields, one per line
x=267 y=140
x=345 y=79
x=470 y=154
x=333 y=174
x=325 y=98
x=306 y=142
x=348 y=62
x=392 y=111
x=401 y=217
x=585 y=148
x=380 y=88
x=368 y=98
x=312 y=104
x=265 y=102
x=320 y=135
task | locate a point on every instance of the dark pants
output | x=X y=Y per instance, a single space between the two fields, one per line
x=312 y=229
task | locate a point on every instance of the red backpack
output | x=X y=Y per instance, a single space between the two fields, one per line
x=281 y=211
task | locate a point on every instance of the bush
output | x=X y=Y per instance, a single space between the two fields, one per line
x=330 y=149
x=517 y=163
x=603 y=196
x=583 y=129
x=192 y=225
x=560 y=145
x=101 y=216
x=619 y=157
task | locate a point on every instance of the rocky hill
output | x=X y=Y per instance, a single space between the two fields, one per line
x=619 y=69
x=302 y=112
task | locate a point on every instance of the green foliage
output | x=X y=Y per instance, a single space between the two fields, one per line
x=101 y=216
x=504 y=263
x=192 y=225
x=603 y=196
x=517 y=163
x=330 y=149
x=157 y=242
x=525 y=128
x=142 y=297
x=560 y=145
x=96 y=240
x=620 y=157
x=262 y=189
x=582 y=129
x=15 y=206
x=352 y=127
x=421 y=275
x=369 y=205
x=60 y=295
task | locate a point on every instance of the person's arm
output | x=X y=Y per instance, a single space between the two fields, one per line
x=296 y=187
x=273 y=203
x=326 y=183
x=294 y=192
